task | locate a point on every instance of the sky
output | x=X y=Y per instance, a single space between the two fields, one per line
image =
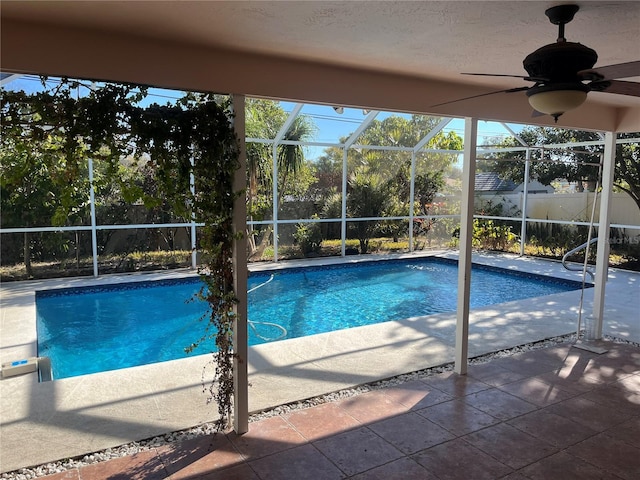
x=332 y=125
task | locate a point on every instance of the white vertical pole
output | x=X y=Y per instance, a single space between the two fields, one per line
x=275 y=201
x=466 y=233
x=525 y=197
x=412 y=193
x=343 y=214
x=94 y=232
x=240 y=337
x=594 y=330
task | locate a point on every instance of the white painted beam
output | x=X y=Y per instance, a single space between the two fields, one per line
x=594 y=330
x=241 y=272
x=466 y=233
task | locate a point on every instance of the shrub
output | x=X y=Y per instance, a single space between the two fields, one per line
x=308 y=236
x=489 y=235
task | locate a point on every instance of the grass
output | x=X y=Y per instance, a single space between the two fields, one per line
x=166 y=260
x=130 y=262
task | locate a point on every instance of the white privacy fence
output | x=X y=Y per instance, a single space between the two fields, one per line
x=566 y=207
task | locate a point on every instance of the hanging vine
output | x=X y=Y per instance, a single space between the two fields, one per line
x=61 y=128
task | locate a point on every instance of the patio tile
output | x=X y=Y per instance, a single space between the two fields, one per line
x=572 y=468
x=73 y=474
x=144 y=466
x=499 y=404
x=616 y=397
x=237 y=472
x=525 y=365
x=610 y=455
x=321 y=421
x=456 y=385
x=357 y=451
x=628 y=432
x=266 y=437
x=458 y=417
x=458 y=460
x=557 y=430
x=536 y=391
x=552 y=356
x=515 y=476
x=301 y=463
x=630 y=386
x=571 y=380
x=617 y=363
x=509 y=445
x=493 y=374
x=402 y=469
x=416 y=395
x=371 y=406
x=586 y=412
x=410 y=432
x=198 y=456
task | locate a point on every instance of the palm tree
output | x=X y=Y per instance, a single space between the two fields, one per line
x=291 y=157
x=368 y=197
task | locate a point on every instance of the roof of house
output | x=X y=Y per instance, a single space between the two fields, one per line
x=491 y=182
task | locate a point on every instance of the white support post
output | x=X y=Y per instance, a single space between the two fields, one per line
x=466 y=232
x=94 y=231
x=525 y=197
x=412 y=194
x=594 y=328
x=274 y=155
x=343 y=214
x=240 y=337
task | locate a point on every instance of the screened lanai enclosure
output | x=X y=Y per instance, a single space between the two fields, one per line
x=322 y=180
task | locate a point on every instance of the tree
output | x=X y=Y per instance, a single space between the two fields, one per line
x=368 y=197
x=54 y=132
x=264 y=120
x=47 y=138
x=627 y=168
x=573 y=165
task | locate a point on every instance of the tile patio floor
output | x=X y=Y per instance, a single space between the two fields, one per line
x=554 y=413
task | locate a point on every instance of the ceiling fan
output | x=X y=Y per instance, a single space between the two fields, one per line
x=563 y=72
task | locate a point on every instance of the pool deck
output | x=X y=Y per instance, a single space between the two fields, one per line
x=42 y=422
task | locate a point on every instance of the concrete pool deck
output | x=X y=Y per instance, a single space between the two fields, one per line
x=42 y=422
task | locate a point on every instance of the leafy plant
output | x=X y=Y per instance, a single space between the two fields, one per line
x=308 y=236
x=490 y=235
x=57 y=130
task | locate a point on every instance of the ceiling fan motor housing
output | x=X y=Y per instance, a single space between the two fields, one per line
x=560 y=62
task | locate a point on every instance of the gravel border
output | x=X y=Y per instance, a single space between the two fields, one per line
x=208 y=428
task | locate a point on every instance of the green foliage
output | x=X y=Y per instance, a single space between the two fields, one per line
x=390 y=173
x=52 y=134
x=490 y=235
x=308 y=236
x=368 y=197
x=572 y=165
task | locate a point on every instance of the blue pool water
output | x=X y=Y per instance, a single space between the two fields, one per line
x=94 y=329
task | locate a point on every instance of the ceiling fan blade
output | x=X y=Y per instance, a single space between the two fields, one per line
x=620 y=70
x=528 y=79
x=620 y=87
x=536 y=114
x=509 y=90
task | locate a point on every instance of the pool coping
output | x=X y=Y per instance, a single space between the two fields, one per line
x=79 y=415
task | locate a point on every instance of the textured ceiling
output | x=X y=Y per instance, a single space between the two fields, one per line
x=426 y=39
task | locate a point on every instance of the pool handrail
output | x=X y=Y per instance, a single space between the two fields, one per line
x=577 y=249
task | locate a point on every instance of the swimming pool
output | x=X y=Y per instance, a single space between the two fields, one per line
x=94 y=329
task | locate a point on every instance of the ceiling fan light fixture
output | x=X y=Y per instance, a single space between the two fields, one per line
x=558 y=100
